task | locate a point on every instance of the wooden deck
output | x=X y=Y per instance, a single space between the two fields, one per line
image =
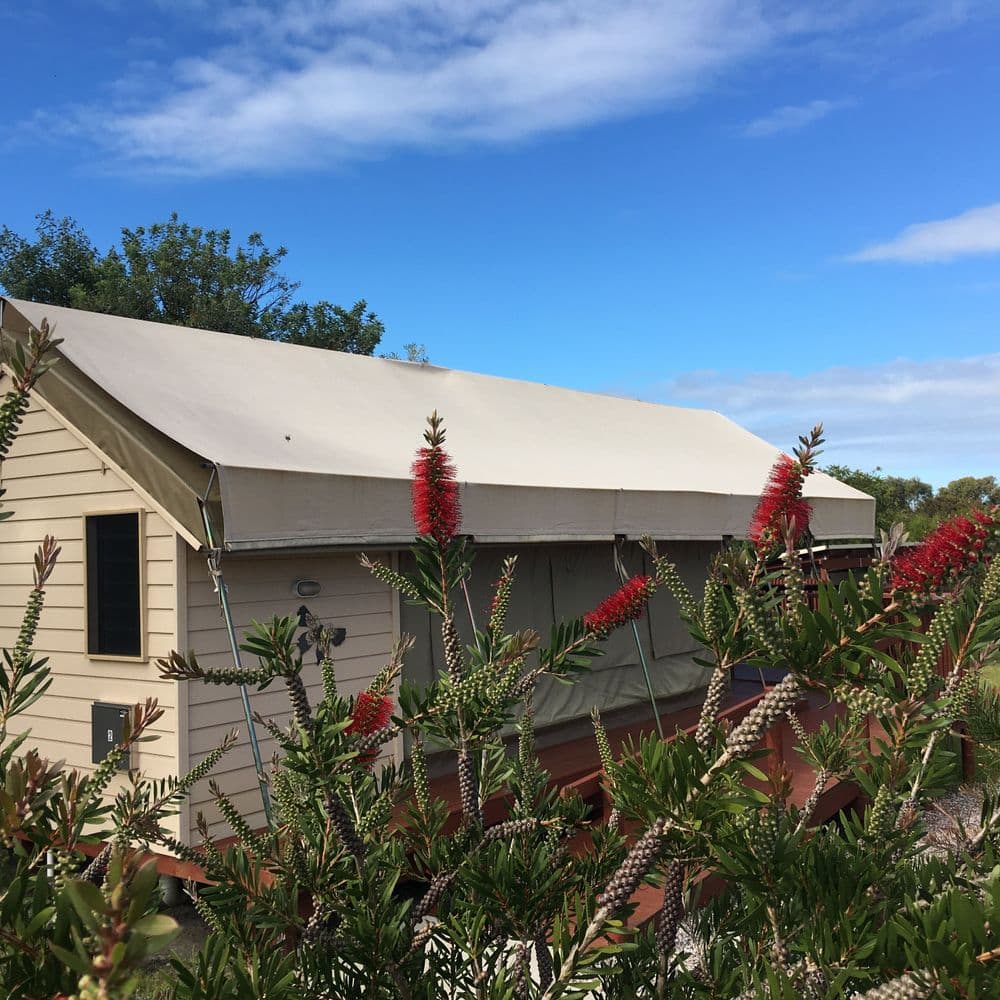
x=575 y=765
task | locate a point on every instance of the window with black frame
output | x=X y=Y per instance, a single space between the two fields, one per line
x=114 y=585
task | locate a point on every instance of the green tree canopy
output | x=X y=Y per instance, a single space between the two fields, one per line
x=961 y=494
x=915 y=503
x=896 y=499
x=173 y=272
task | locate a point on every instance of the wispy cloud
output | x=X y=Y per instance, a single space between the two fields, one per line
x=791 y=118
x=303 y=83
x=976 y=231
x=935 y=419
x=286 y=83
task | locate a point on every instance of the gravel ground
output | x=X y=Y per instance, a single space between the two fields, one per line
x=952 y=820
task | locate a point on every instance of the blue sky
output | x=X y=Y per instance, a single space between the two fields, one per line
x=786 y=211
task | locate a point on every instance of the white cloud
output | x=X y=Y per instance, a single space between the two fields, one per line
x=791 y=118
x=976 y=231
x=286 y=83
x=303 y=83
x=934 y=419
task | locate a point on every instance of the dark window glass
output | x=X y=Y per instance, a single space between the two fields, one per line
x=114 y=610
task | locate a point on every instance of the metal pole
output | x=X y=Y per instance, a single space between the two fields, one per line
x=623 y=577
x=214 y=557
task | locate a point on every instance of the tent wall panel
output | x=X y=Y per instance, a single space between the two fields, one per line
x=556 y=581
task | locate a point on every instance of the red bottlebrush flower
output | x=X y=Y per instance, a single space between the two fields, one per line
x=626 y=604
x=949 y=549
x=371 y=713
x=436 y=508
x=781 y=503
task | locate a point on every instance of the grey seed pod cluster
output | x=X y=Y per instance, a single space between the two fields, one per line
x=637 y=865
x=814 y=985
x=421 y=938
x=795 y=724
x=375 y=739
x=809 y=806
x=525 y=685
x=601 y=738
x=902 y=988
x=522 y=975
x=430 y=899
x=301 y=712
x=511 y=828
x=714 y=696
x=544 y=958
x=671 y=910
x=468 y=787
x=526 y=739
x=908 y=813
x=316 y=922
x=795 y=592
x=779 y=700
x=98 y=868
x=779 y=953
x=452 y=648
x=343 y=825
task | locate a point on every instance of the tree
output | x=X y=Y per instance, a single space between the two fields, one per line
x=896 y=499
x=961 y=494
x=58 y=268
x=172 y=272
x=356 y=330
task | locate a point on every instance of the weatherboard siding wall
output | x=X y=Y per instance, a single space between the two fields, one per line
x=53 y=478
x=259 y=587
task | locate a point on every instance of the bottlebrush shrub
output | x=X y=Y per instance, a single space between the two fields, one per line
x=364 y=885
x=365 y=888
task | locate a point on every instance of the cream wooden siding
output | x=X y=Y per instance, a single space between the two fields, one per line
x=52 y=479
x=259 y=587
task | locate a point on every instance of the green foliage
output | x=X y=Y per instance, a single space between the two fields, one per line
x=896 y=499
x=173 y=272
x=368 y=884
x=916 y=504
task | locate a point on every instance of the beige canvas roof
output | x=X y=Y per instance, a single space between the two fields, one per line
x=314 y=447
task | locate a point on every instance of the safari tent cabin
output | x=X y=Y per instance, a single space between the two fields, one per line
x=305 y=457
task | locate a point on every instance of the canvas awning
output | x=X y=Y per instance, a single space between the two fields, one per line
x=314 y=447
